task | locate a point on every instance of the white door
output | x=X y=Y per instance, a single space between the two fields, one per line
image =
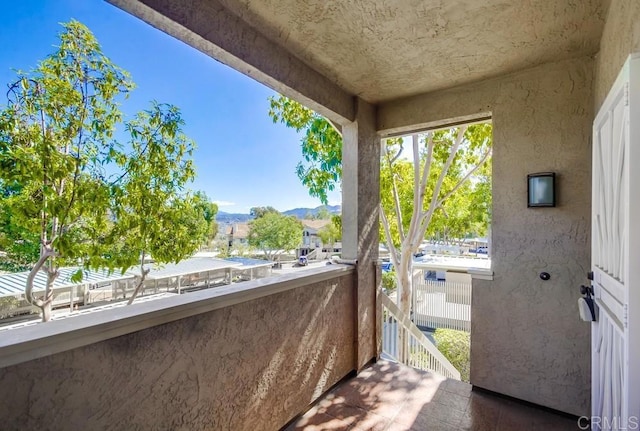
x=615 y=336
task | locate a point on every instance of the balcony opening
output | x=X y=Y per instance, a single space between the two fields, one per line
x=245 y=168
x=435 y=228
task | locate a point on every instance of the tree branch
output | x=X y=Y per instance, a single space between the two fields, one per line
x=424 y=222
x=396 y=198
x=387 y=233
x=46 y=253
x=466 y=177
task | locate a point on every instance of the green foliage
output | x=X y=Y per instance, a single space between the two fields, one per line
x=321 y=168
x=389 y=281
x=330 y=234
x=466 y=211
x=209 y=211
x=275 y=233
x=56 y=147
x=21 y=246
x=336 y=220
x=323 y=214
x=56 y=136
x=257 y=212
x=456 y=347
x=153 y=214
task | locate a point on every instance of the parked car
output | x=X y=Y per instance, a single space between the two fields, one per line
x=482 y=250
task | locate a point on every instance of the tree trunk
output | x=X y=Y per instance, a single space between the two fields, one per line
x=46 y=311
x=404 y=274
x=143 y=275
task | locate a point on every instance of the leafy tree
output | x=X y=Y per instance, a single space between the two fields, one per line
x=152 y=213
x=449 y=159
x=55 y=136
x=323 y=213
x=411 y=191
x=56 y=146
x=274 y=234
x=21 y=247
x=257 y=212
x=209 y=210
x=336 y=219
x=331 y=233
x=321 y=168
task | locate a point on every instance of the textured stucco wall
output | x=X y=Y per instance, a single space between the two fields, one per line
x=620 y=37
x=251 y=366
x=527 y=339
x=360 y=200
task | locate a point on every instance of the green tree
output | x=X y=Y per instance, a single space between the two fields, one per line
x=443 y=162
x=323 y=213
x=321 y=168
x=411 y=192
x=330 y=234
x=274 y=234
x=152 y=213
x=257 y=212
x=55 y=138
x=56 y=147
x=209 y=210
x=21 y=246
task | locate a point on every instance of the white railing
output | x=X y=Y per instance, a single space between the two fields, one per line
x=442 y=304
x=405 y=343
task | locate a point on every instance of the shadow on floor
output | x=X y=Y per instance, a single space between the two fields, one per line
x=391 y=397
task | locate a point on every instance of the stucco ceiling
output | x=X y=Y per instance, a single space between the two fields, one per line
x=386 y=49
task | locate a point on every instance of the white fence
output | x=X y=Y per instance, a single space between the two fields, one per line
x=418 y=352
x=442 y=304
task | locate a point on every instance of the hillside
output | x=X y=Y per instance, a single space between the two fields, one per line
x=301 y=213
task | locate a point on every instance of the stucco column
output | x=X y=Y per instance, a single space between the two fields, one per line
x=360 y=199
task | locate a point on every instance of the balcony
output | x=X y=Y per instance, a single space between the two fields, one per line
x=251 y=356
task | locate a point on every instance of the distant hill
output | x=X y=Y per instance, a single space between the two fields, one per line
x=303 y=212
x=227 y=218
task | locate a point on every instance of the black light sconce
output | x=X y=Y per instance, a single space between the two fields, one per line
x=541 y=190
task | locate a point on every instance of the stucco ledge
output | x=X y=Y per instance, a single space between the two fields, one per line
x=33 y=342
x=480 y=273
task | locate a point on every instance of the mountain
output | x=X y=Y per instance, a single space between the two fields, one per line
x=227 y=218
x=303 y=212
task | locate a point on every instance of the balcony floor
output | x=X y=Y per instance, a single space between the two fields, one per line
x=392 y=397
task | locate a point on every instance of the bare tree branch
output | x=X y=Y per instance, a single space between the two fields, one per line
x=484 y=158
x=396 y=197
x=424 y=222
x=387 y=233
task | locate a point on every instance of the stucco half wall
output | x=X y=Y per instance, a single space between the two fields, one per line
x=527 y=338
x=251 y=366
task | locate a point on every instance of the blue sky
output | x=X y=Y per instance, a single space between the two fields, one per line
x=242 y=157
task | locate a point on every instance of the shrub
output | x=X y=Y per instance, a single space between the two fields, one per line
x=456 y=347
x=389 y=281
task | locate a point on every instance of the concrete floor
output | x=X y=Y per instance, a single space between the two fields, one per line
x=391 y=397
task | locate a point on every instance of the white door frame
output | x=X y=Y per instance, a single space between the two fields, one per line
x=615 y=257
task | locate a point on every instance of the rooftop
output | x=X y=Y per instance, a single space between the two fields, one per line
x=14 y=283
